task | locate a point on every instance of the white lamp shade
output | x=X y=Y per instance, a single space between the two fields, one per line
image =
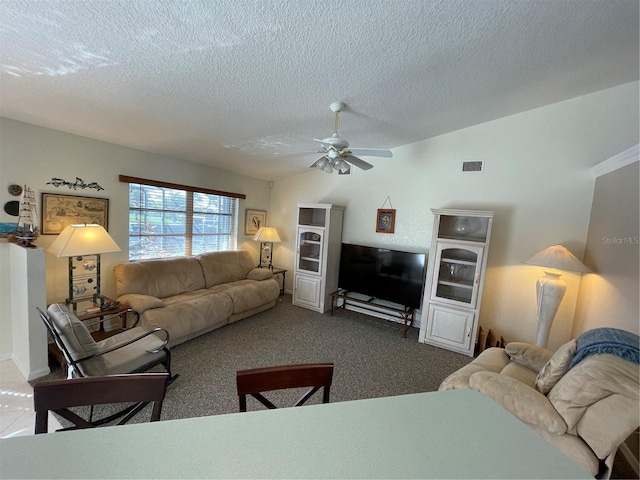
x=267 y=234
x=557 y=257
x=83 y=239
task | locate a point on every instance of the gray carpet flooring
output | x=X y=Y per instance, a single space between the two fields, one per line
x=371 y=357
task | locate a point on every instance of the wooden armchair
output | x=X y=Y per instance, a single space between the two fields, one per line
x=59 y=395
x=254 y=381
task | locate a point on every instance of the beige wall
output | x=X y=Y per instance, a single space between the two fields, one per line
x=537 y=180
x=33 y=155
x=610 y=297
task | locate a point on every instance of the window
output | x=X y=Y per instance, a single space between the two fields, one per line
x=168 y=221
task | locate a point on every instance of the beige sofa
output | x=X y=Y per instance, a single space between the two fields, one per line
x=190 y=296
x=586 y=410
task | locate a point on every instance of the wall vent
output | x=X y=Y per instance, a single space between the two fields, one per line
x=473 y=166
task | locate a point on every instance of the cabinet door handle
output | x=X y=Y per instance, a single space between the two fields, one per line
x=469 y=332
x=477 y=278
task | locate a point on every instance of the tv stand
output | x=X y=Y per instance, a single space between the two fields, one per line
x=406 y=314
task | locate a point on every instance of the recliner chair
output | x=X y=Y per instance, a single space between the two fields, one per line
x=584 y=398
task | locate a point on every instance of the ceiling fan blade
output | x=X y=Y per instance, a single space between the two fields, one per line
x=372 y=152
x=295 y=154
x=358 y=162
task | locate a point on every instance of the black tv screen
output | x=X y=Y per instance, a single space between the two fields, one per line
x=382 y=274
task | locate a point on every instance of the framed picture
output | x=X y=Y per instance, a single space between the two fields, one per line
x=386 y=220
x=58 y=211
x=253 y=220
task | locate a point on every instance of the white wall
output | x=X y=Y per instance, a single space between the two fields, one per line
x=34 y=155
x=536 y=179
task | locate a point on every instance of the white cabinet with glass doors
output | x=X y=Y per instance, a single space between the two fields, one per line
x=317 y=263
x=455 y=278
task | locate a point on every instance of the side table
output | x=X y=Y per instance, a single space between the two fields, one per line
x=283 y=272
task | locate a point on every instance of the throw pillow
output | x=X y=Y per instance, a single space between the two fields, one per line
x=556 y=367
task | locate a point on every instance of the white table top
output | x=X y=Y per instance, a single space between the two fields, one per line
x=452 y=434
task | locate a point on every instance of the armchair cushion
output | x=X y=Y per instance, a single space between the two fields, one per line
x=136 y=357
x=79 y=341
x=528 y=355
x=556 y=367
x=520 y=400
x=141 y=303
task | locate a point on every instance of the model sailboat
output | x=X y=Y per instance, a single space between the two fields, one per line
x=27 y=230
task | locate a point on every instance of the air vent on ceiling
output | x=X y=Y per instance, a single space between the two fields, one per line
x=473 y=166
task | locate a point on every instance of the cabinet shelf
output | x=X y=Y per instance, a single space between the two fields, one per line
x=458 y=284
x=463 y=239
x=458 y=261
x=310 y=242
x=310 y=259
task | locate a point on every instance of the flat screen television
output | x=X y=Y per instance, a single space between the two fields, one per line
x=382 y=274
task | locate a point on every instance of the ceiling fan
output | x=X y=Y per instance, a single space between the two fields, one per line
x=337 y=154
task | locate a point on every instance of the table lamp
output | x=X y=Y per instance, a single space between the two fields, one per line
x=78 y=242
x=267 y=236
x=550 y=289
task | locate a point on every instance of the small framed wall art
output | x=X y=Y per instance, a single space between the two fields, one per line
x=253 y=220
x=58 y=211
x=386 y=220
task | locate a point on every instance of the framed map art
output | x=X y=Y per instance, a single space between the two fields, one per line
x=58 y=211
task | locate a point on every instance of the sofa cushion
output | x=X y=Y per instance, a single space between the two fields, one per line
x=159 y=278
x=249 y=294
x=225 y=267
x=588 y=394
x=555 y=368
x=189 y=314
x=528 y=355
x=521 y=400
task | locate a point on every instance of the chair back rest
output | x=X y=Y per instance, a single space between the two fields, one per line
x=254 y=381
x=59 y=395
x=76 y=339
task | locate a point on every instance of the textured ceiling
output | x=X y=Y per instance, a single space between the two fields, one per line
x=234 y=83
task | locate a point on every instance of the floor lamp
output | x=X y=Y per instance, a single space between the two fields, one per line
x=267 y=236
x=550 y=289
x=79 y=242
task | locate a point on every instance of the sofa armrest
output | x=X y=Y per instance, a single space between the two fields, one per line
x=260 y=274
x=141 y=303
x=528 y=355
x=520 y=400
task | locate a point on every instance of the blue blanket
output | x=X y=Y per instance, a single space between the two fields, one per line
x=614 y=341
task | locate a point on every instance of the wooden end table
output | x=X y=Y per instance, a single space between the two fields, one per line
x=283 y=272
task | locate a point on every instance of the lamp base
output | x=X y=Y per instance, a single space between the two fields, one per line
x=550 y=290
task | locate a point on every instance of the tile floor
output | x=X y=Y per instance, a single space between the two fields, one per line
x=16 y=403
